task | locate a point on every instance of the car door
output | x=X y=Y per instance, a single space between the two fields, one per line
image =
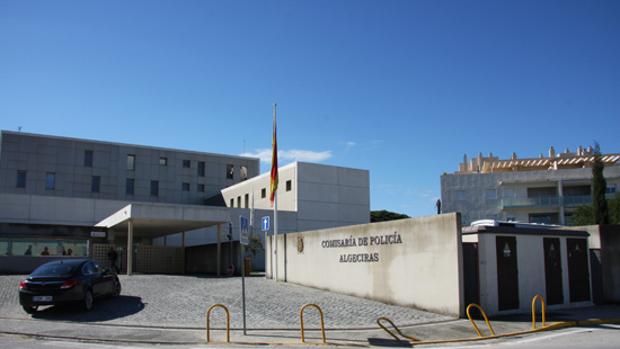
x=106 y=280
x=96 y=281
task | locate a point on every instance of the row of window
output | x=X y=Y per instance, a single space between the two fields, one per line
x=263 y=195
x=95 y=184
x=163 y=161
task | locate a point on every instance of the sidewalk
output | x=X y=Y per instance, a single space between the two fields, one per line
x=450 y=329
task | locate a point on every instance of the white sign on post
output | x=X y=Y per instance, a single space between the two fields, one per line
x=244 y=231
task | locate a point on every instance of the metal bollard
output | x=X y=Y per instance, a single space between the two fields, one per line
x=301 y=318
x=484 y=315
x=209 y=321
x=542 y=310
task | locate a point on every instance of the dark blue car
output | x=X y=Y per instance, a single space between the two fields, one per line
x=67 y=281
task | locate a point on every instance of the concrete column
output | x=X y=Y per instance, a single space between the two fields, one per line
x=219 y=249
x=129 y=247
x=183 y=239
x=561 y=201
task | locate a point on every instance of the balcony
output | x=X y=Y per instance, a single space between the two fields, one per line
x=540 y=201
x=578 y=200
x=549 y=201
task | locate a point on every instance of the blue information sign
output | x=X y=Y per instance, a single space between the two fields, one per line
x=264 y=223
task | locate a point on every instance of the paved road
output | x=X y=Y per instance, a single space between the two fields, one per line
x=603 y=337
x=181 y=301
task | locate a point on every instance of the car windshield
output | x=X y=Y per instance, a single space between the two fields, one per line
x=54 y=269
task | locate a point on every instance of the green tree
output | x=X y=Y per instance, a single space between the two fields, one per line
x=383 y=215
x=614 y=210
x=599 y=185
x=583 y=215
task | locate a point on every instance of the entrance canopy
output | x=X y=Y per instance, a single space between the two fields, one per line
x=154 y=220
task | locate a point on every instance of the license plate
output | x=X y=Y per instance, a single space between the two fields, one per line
x=42 y=298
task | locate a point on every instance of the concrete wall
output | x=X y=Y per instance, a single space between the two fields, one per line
x=38 y=154
x=420 y=264
x=531 y=271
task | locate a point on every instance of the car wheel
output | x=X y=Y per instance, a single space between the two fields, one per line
x=88 y=300
x=117 y=288
x=30 y=309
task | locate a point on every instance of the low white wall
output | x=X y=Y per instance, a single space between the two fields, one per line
x=412 y=262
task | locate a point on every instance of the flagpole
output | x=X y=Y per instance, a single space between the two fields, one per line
x=275 y=214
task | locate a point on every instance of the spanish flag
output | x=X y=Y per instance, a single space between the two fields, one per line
x=274 y=161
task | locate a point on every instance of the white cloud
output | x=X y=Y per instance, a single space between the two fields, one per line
x=350 y=144
x=290 y=155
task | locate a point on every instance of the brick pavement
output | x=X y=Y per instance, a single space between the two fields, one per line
x=181 y=301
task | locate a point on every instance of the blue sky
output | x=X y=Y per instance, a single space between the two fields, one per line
x=401 y=88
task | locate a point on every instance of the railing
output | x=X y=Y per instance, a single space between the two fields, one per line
x=549 y=201
x=577 y=200
x=209 y=321
x=540 y=201
x=301 y=319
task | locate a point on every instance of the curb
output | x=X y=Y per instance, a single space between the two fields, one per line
x=555 y=326
x=202 y=328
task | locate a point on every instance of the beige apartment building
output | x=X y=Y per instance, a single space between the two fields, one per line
x=546 y=189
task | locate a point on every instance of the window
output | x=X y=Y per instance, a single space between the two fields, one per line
x=263 y=193
x=163 y=161
x=238 y=201
x=50 y=180
x=201 y=168
x=88 y=158
x=187 y=164
x=230 y=171
x=185 y=186
x=89 y=269
x=243 y=173
x=247 y=200
x=21 y=179
x=232 y=203
x=129 y=186
x=611 y=189
x=200 y=188
x=131 y=162
x=154 y=188
x=289 y=185
x=95 y=183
